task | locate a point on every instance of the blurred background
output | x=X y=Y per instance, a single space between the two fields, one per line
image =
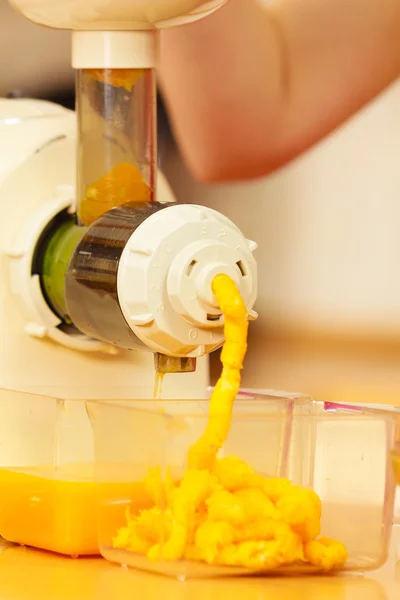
x=328 y=229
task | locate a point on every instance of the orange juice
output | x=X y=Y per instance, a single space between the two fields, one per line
x=59 y=513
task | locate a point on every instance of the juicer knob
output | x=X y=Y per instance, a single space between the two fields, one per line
x=165 y=274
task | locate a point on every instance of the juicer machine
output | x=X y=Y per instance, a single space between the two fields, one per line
x=105 y=279
x=103 y=276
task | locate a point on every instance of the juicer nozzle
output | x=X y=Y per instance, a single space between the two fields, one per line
x=173 y=364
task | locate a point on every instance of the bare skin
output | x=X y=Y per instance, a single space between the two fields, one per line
x=250 y=88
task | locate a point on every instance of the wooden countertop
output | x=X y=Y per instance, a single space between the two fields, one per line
x=30 y=575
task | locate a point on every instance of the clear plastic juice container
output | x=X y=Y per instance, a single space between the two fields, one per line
x=48 y=493
x=47 y=490
x=341 y=452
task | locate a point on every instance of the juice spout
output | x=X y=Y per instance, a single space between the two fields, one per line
x=172 y=364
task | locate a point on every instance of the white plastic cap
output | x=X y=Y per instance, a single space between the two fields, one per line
x=165 y=275
x=114 y=49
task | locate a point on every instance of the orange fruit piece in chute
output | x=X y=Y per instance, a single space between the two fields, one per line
x=125 y=78
x=123 y=184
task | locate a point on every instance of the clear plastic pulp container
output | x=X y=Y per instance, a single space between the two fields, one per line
x=341 y=452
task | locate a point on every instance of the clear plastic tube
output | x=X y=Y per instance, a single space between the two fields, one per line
x=117 y=151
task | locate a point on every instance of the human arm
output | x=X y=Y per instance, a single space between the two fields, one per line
x=249 y=88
